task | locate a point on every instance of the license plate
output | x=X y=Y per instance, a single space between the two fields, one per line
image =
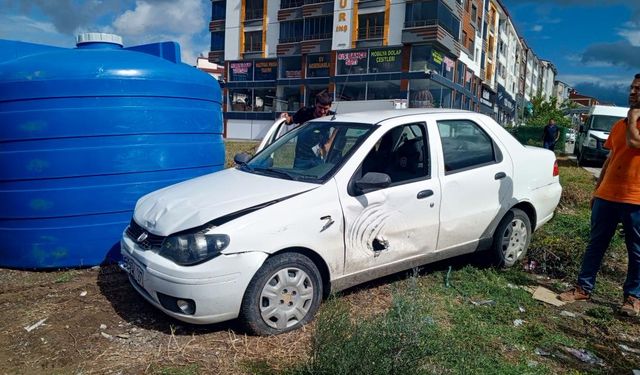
x=133 y=269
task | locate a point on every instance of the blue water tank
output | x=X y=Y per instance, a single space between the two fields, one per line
x=84 y=133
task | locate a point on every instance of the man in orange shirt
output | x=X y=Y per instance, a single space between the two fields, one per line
x=616 y=199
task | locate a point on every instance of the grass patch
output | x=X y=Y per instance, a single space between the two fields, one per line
x=182 y=370
x=234 y=147
x=65 y=277
x=559 y=245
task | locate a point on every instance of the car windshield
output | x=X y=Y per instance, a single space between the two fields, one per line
x=311 y=152
x=603 y=123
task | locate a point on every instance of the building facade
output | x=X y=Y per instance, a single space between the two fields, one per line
x=278 y=54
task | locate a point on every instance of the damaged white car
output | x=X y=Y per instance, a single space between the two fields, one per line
x=334 y=203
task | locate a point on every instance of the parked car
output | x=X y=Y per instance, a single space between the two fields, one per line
x=331 y=204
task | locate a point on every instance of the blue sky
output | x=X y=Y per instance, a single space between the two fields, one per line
x=595 y=44
x=57 y=22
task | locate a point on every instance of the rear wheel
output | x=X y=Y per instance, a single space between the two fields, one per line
x=512 y=237
x=283 y=295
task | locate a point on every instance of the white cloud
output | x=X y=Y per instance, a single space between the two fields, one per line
x=610 y=80
x=633 y=36
x=537 y=28
x=183 y=21
x=26 y=29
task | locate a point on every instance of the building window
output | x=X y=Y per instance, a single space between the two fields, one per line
x=286 y=4
x=288 y=98
x=254 y=10
x=425 y=93
x=290 y=31
x=371 y=26
x=217 y=41
x=318 y=27
x=384 y=90
x=426 y=13
x=251 y=100
x=253 y=41
x=318 y=65
x=474 y=12
x=290 y=68
x=218 y=10
x=351 y=91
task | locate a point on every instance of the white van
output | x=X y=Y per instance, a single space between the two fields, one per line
x=595 y=131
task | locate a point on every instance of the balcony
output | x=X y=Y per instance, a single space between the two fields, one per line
x=419 y=31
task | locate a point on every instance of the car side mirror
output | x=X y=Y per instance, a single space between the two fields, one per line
x=373 y=181
x=241 y=158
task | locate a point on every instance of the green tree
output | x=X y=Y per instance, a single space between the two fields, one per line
x=545 y=110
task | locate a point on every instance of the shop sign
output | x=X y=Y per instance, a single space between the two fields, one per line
x=266 y=70
x=385 y=60
x=241 y=71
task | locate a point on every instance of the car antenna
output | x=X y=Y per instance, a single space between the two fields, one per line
x=342 y=92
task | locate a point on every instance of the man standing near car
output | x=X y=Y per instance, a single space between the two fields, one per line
x=550 y=135
x=312 y=149
x=616 y=199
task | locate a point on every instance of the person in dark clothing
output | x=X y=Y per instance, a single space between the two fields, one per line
x=550 y=136
x=311 y=149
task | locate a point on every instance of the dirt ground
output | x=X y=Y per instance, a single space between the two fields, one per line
x=97 y=323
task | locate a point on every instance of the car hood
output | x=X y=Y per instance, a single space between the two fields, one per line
x=195 y=202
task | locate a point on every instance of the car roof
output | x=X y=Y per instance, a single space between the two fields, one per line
x=374 y=117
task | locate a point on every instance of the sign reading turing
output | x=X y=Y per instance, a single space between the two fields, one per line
x=342 y=24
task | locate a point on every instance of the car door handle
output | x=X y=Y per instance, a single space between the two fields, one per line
x=424 y=194
x=500 y=175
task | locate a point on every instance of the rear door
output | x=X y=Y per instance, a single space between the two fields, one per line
x=477 y=185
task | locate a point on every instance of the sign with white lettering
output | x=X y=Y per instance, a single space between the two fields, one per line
x=241 y=71
x=342 y=24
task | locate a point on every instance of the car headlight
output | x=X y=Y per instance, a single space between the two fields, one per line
x=189 y=249
x=593 y=142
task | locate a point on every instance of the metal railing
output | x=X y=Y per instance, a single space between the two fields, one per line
x=318 y=36
x=253 y=47
x=286 y=4
x=375 y=32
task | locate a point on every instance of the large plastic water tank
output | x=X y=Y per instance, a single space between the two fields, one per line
x=84 y=133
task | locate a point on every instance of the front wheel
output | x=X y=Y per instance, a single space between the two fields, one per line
x=512 y=237
x=283 y=295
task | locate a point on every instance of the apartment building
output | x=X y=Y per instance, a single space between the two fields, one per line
x=548 y=73
x=278 y=54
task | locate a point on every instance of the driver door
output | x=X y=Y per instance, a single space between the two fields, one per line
x=398 y=222
x=277 y=130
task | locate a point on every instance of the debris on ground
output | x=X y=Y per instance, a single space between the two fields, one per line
x=103 y=326
x=629 y=349
x=36 y=325
x=83 y=293
x=584 y=356
x=521 y=309
x=106 y=335
x=542 y=352
x=545 y=295
x=518 y=322
x=568 y=314
x=488 y=302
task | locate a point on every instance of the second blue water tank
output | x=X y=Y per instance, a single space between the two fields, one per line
x=84 y=133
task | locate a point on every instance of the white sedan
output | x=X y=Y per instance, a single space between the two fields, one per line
x=331 y=204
